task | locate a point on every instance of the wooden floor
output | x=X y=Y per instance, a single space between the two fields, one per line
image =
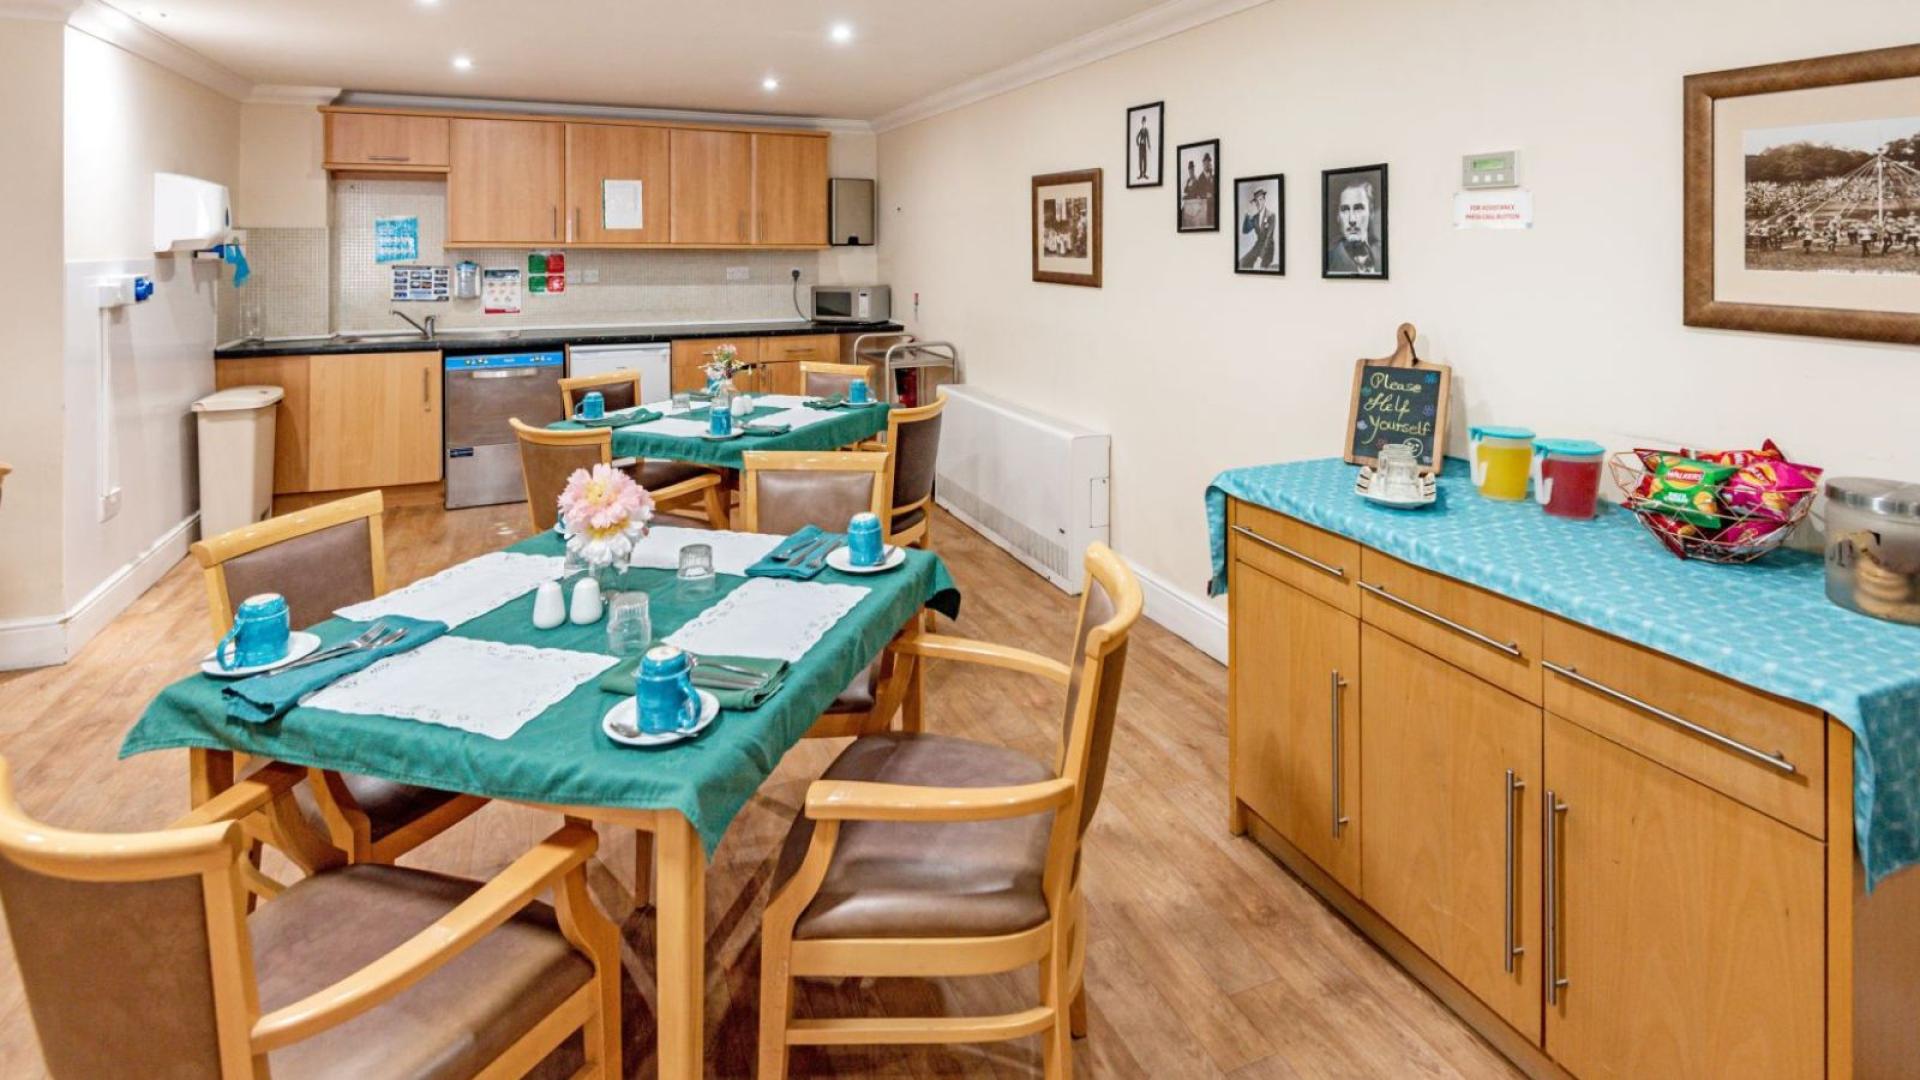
x=1206 y=959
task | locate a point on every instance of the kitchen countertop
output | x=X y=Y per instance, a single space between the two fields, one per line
x=513 y=339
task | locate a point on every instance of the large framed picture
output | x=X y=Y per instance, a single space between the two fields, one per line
x=1260 y=225
x=1197 y=183
x=1353 y=223
x=1066 y=228
x=1146 y=153
x=1802 y=211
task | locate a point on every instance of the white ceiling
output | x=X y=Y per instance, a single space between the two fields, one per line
x=673 y=54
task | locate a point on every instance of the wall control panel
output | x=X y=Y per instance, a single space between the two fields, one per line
x=1499 y=169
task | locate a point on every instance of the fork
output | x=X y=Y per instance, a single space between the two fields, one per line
x=381 y=639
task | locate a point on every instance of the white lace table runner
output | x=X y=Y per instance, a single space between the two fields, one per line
x=800 y=417
x=670 y=426
x=462 y=591
x=768 y=617
x=485 y=687
x=733 y=552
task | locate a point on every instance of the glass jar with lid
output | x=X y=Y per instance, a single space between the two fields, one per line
x=1873 y=547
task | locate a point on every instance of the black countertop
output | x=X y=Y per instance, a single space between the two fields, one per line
x=533 y=339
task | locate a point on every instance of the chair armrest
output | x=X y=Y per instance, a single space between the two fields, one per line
x=453 y=933
x=254 y=792
x=859 y=800
x=967 y=650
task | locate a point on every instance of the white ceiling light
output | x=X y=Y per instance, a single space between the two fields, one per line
x=769 y=83
x=841 y=33
x=463 y=63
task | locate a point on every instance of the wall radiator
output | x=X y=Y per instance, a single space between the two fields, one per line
x=1034 y=485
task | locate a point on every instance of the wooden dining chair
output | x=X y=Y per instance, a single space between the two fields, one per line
x=321 y=559
x=620 y=389
x=784 y=491
x=913 y=439
x=927 y=855
x=819 y=379
x=138 y=957
x=548 y=457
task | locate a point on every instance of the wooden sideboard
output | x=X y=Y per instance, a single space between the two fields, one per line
x=1609 y=862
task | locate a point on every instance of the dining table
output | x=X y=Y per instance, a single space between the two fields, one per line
x=813 y=423
x=682 y=796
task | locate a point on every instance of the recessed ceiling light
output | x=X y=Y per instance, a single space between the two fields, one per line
x=463 y=63
x=769 y=83
x=841 y=33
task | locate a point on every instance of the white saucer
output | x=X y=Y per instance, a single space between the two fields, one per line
x=861 y=404
x=1414 y=503
x=841 y=559
x=624 y=715
x=711 y=437
x=300 y=645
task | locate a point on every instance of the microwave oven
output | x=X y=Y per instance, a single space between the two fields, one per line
x=852 y=303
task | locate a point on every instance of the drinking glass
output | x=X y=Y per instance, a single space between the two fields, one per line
x=629 y=624
x=682 y=401
x=696 y=568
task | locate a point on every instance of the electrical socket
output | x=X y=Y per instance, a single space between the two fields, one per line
x=796 y=273
x=110 y=505
x=737 y=273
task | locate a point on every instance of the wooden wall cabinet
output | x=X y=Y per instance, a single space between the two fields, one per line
x=506 y=182
x=1540 y=828
x=349 y=421
x=386 y=142
x=789 y=189
x=597 y=153
x=712 y=187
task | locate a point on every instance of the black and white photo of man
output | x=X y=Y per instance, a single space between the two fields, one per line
x=1144 y=153
x=1199 y=197
x=1259 y=237
x=1354 y=222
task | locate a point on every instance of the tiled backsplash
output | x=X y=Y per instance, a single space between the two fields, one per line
x=317 y=281
x=633 y=286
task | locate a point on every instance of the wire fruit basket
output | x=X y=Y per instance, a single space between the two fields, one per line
x=1742 y=534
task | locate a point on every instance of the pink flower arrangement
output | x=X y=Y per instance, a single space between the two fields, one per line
x=604 y=513
x=724 y=364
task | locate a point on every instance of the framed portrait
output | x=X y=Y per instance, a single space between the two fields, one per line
x=1146 y=154
x=1802 y=211
x=1066 y=228
x=1260 y=225
x=1353 y=223
x=1197 y=186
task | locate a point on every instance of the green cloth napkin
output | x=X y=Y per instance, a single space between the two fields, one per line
x=803 y=570
x=767 y=429
x=773 y=673
x=261 y=698
x=827 y=403
x=638 y=414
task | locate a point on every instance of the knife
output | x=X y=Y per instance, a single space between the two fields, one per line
x=799 y=554
x=816 y=560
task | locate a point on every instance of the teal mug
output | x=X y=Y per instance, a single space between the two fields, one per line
x=261 y=629
x=663 y=693
x=858 y=392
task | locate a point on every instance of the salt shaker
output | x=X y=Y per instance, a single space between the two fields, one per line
x=549 y=606
x=587 y=604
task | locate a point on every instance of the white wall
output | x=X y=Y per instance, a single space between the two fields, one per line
x=1573 y=328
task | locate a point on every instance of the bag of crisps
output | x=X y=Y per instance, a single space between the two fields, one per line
x=1689 y=489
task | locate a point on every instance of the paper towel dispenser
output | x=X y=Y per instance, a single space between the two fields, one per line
x=189 y=213
x=850 y=212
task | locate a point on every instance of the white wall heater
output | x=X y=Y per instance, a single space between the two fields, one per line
x=1032 y=484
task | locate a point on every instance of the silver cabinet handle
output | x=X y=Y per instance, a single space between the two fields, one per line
x=1555 y=981
x=1335 y=685
x=556 y=221
x=1283 y=549
x=390 y=157
x=1775 y=760
x=513 y=373
x=1511 y=648
x=1513 y=787
x=573 y=227
x=426 y=396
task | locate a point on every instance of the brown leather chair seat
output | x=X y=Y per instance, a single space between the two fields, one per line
x=908 y=520
x=655 y=473
x=858 y=696
x=983 y=877
x=389 y=806
x=451 y=1023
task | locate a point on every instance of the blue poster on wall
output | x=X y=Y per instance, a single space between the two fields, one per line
x=396 y=239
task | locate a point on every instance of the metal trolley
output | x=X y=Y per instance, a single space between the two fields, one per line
x=914 y=370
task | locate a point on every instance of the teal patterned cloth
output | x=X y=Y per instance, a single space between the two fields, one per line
x=1767 y=624
x=562 y=756
x=846 y=427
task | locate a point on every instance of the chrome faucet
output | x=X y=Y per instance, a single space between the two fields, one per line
x=426 y=330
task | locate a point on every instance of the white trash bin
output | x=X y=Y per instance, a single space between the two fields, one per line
x=236 y=457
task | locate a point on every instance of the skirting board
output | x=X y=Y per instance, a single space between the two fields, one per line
x=54 y=639
x=1188 y=616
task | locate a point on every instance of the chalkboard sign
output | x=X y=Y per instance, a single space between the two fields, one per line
x=1399 y=399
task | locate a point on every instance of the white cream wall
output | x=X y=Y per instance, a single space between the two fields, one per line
x=1573 y=328
x=126 y=119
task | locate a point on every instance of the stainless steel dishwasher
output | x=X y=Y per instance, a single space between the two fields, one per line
x=482 y=392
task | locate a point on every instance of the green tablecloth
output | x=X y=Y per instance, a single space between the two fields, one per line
x=561 y=756
x=843 y=427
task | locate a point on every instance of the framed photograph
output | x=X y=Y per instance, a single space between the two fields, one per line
x=1146 y=154
x=1802 y=211
x=1066 y=228
x=1353 y=223
x=1260 y=225
x=1197 y=168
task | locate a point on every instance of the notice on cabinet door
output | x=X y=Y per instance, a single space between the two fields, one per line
x=620 y=204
